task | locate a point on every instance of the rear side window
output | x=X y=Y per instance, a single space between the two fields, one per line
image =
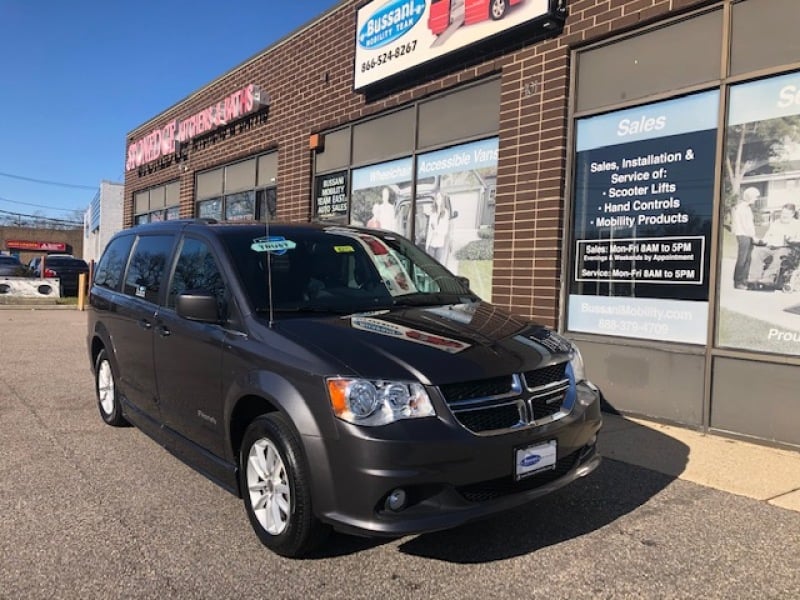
x=111 y=267
x=147 y=265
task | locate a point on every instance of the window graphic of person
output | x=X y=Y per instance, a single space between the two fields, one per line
x=774 y=246
x=383 y=212
x=744 y=229
x=374 y=221
x=438 y=233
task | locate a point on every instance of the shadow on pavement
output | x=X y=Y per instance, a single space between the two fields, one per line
x=615 y=489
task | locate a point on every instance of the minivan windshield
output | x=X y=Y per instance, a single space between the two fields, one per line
x=339 y=270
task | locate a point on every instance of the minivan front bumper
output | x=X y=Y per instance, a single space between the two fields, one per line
x=448 y=475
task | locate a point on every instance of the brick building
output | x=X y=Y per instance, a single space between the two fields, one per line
x=591 y=154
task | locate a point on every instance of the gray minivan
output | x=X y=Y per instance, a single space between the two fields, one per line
x=334 y=377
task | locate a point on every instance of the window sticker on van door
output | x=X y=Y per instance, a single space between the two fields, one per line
x=274 y=244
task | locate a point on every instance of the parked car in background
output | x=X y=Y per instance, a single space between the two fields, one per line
x=334 y=377
x=64 y=266
x=11 y=267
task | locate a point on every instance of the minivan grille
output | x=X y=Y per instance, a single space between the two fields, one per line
x=498 y=404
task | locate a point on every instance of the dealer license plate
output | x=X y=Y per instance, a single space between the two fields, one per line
x=533 y=459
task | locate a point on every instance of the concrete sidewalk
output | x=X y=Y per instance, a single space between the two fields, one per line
x=760 y=472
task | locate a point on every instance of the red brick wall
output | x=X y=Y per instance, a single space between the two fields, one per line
x=533 y=131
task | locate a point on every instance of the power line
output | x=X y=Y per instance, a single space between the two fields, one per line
x=15 y=214
x=40 y=205
x=48 y=182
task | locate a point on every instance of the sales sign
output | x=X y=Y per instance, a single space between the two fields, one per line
x=330 y=195
x=395 y=35
x=644 y=187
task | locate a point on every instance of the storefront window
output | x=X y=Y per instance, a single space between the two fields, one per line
x=759 y=281
x=455 y=188
x=267 y=204
x=379 y=192
x=210 y=209
x=330 y=196
x=644 y=183
x=157 y=204
x=241 y=206
x=241 y=191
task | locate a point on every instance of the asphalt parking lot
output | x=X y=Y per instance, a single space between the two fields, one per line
x=88 y=511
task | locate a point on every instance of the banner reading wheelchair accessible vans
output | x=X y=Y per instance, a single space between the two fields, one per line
x=395 y=35
x=759 y=289
x=644 y=186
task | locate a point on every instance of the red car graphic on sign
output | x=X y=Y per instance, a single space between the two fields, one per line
x=455 y=13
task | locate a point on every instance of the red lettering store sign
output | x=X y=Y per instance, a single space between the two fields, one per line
x=162 y=141
x=30 y=245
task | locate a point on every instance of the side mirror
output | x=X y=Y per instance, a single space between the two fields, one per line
x=454 y=215
x=198 y=306
x=463 y=281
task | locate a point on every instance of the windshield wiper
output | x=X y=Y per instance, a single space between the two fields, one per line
x=431 y=299
x=306 y=309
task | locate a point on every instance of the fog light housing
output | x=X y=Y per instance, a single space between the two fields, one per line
x=396 y=500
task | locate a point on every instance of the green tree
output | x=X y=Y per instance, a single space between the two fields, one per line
x=756 y=146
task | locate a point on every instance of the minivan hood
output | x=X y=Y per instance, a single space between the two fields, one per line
x=432 y=344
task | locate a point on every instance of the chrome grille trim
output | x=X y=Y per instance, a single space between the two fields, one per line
x=492 y=415
x=516 y=390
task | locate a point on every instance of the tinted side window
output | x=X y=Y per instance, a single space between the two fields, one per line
x=196 y=270
x=146 y=269
x=111 y=267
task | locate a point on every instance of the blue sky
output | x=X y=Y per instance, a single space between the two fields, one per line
x=76 y=76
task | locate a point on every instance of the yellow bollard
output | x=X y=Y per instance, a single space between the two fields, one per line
x=81 y=291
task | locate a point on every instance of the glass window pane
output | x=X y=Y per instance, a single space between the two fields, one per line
x=196 y=270
x=670 y=58
x=267 y=204
x=112 y=264
x=147 y=265
x=210 y=209
x=267 y=169
x=240 y=207
x=378 y=191
x=764 y=34
x=384 y=137
x=141 y=202
x=158 y=196
x=209 y=184
x=336 y=154
x=240 y=176
x=468 y=113
x=173 y=193
x=760 y=240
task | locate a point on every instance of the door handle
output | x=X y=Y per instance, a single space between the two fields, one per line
x=145 y=324
x=163 y=330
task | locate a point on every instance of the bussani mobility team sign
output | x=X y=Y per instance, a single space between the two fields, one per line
x=644 y=185
x=395 y=35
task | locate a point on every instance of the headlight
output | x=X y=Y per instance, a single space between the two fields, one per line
x=576 y=363
x=372 y=403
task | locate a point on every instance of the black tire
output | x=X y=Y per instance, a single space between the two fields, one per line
x=105 y=388
x=497 y=9
x=285 y=523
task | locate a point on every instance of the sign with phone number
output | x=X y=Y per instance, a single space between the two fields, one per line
x=397 y=35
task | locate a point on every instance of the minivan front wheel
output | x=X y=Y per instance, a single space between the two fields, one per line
x=275 y=487
x=106 y=389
